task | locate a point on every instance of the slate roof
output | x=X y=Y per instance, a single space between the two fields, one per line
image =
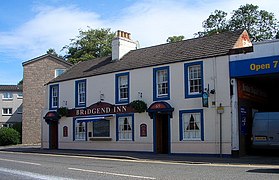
x=186 y=50
x=10 y=88
x=58 y=59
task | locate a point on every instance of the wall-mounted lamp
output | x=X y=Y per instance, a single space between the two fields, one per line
x=212 y=91
x=102 y=96
x=139 y=95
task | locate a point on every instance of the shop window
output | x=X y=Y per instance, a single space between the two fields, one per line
x=7 y=111
x=191 y=125
x=80 y=93
x=7 y=96
x=54 y=96
x=161 y=84
x=193 y=79
x=125 y=127
x=122 y=88
x=80 y=131
x=65 y=131
x=101 y=128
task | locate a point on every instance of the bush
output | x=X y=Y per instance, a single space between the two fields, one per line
x=9 y=136
x=139 y=106
x=18 y=128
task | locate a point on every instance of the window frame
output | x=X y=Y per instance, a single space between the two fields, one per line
x=20 y=95
x=56 y=74
x=11 y=97
x=77 y=93
x=108 y=121
x=186 y=79
x=51 y=97
x=75 y=132
x=117 y=126
x=118 y=100
x=9 y=112
x=156 y=96
x=181 y=124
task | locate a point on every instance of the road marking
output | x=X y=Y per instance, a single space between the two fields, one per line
x=189 y=163
x=22 y=162
x=30 y=174
x=113 y=174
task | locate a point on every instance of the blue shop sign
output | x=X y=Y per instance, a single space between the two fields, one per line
x=257 y=66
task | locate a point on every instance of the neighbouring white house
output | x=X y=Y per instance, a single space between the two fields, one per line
x=186 y=86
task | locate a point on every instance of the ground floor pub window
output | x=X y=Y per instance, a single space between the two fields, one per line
x=101 y=128
x=80 y=131
x=125 y=131
x=191 y=122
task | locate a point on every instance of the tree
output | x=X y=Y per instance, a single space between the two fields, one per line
x=53 y=52
x=89 y=44
x=175 y=39
x=260 y=24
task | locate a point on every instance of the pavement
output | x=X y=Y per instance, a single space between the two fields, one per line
x=267 y=159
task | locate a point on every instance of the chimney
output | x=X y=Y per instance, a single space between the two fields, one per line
x=122 y=44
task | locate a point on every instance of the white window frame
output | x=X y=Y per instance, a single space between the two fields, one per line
x=123 y=87
x=54 y=96
x=195 y=133
x=9 y=111
x=81 y=92
x=194 y=75
x=162 y=82
x=80 y=131
x=9 y=96
x=125 y=131
x=20 y=95
x=58 y=72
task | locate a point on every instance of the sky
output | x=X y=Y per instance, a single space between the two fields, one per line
x=28 y=28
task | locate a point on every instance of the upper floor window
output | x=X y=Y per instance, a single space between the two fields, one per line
x=58 y=72
x=125 y=127
x=193 y=79
x=54 y=96
x=19 y=95
x=161 y=84
x=80 y=93
x=122 y=88
x=7 y=95
x=191 y=125
x=7 y=111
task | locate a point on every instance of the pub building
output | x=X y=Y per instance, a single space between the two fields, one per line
x=185 y=86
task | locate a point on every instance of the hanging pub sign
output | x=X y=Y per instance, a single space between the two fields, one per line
x=204 y=99
x=100 y=108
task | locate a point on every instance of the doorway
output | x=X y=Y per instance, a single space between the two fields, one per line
x=162 y=134
x=53 y=135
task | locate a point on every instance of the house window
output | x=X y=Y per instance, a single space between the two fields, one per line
x=19 y=95
x=81 y=93
x=161 y=83
x=193 y=79
x=101 y=128
x=80 y=131
x=7 y=111
x=122 y=88
x=54 y=96
x=125 y=127
x=191 y=125
x=65 y=131
x=7 y=96
x=58 y=72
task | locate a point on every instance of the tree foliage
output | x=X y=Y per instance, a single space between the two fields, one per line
x=260 y=24
x=89 y=44
x=175 y=39
x=9 y=136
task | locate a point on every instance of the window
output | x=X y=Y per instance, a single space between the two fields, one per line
x=191 y=125
x=19 y=95
x=58 y=72
x=54 y=96
x=7 y=111
x=193 y=79
x=161 y=90
x=125 y=127
x=19 y=110
x=101 y=128
x=80 y=131
x=81 y=93
x=122 y=88
x=7 y=95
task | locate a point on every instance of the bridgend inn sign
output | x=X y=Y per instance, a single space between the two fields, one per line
x=100 y=108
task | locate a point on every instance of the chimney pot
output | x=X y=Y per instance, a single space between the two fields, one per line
x=118 y=33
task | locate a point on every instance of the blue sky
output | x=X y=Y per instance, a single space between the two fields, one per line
x=28 y=28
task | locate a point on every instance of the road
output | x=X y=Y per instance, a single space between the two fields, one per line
x=18 y=165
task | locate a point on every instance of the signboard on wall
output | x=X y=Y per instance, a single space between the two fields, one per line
x=250 y=92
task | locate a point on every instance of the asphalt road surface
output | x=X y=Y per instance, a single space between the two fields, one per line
x=23 y=166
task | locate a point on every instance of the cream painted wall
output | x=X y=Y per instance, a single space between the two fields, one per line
x=215 y=73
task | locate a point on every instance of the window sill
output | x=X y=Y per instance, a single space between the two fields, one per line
x=100 y=139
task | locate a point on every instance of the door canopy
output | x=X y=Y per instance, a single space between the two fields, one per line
x=160 y=107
